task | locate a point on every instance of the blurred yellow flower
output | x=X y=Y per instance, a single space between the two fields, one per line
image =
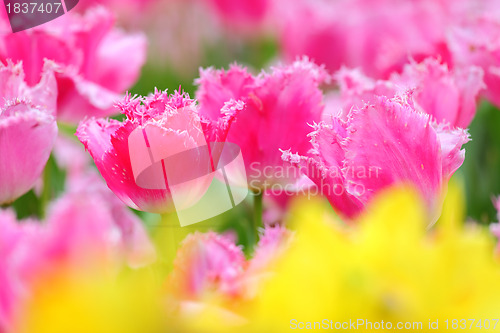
x=84 y=301
x=386 y=268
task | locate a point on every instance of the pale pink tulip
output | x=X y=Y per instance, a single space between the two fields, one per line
x=279 y=106
x=27 y=129
x=95 y=62
x=449 y=96
x=478 y=43
x=272 y=243
x=207 y=263
x=211 y=264
x=384 y=143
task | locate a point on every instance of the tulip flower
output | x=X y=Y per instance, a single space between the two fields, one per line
x=95 y=62
x=27 y=129
x=476 y=43
x=172 y=125
x=207 y=262
x=279 y=105
x=384 y=143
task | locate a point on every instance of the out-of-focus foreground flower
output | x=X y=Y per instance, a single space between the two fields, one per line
x=95 y=61
x=387 y=267
x=87 y=231
x=28 y=128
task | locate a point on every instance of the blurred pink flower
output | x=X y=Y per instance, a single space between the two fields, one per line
x=381 y=144
x=19 y=260
x=449 y=96
x=88 y=225
x=211 y=263
x=272 y=241
x=279 y=105
x=95 y=62
x=128 y=12
x=207 y=262
x=242 y=15
x=170 y=121
x=83 y=181
x=378 y=36
x=478 y=43
x=272 y=244
x=27 y=129
x=70 y=156
x=89 y=219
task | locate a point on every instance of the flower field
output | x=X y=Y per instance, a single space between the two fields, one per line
x=250 y=166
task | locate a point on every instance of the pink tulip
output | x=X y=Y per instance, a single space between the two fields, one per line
x=449 y=96
x=477 y=43
x=95 y=62
x=27 y=129
x=207 y=262
x=384 y=143
x=279 y=105
x=272 y=243
x=171 y=126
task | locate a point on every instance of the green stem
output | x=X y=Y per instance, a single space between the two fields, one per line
x=167 y=237
x=46 y=191
x=257 y=213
